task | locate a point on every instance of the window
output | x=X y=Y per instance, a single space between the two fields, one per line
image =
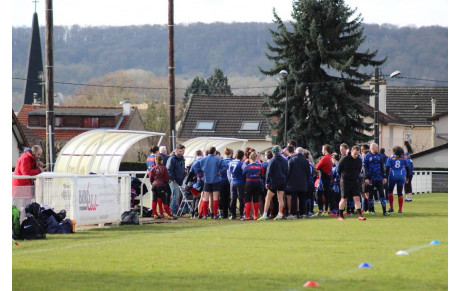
x=58 y=121
x=408 y=136
x=250 y=126
x=90 y=122
x=205 y=125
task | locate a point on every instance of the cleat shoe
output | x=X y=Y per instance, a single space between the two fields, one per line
x=391 y=210
x=334 y=214
x=264 y=218
x=215 y=217
x=361 y=218
x=372 y=213
x=399 y=211
x=242 y=218
x=366 y=212
x=278 y=217
x=156 y=217
x=290 y=217
x=386 y=214
x=341 y=218
x=169 y=217
x=304 y=216
x=348 y=213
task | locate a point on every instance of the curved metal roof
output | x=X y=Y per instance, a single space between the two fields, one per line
x=202 y=143
x=98 y=151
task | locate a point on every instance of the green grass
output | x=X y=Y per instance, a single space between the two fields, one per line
x=254 y=255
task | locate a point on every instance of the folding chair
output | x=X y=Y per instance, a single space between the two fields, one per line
x=187 y=200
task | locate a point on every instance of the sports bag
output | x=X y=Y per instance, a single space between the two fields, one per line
x=129 y=217
x=31 y=228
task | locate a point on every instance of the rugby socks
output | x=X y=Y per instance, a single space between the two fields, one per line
x=384 y=204
x=366 y=204
x=341 y=212
x=204 y=208
x=160 y=206
x=256 y=210
x=390 y=198
x=400 y=202
x=215 y=207
x=168 y=211
x=247 y=210
x=154 y=208
x=371 y=205
x=359 y=212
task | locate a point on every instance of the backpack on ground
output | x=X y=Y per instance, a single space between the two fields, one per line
x=129 y=217
x=31 y=228
x=34 y=209
x=16 y=222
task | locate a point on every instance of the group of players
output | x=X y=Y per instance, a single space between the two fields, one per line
x=288 y=182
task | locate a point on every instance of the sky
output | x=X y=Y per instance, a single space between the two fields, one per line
x=138 y=12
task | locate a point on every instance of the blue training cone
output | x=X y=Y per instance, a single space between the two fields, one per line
x=435 y=242
x=364 y=265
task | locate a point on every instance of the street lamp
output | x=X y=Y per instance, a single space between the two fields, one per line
x=376 y=103
x=284 y=74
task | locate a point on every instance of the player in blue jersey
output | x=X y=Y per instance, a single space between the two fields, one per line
x=374 y=175
x=409 y=175
x=253 y=175
x=235 y=173
x=224 y=201
x=396 y=167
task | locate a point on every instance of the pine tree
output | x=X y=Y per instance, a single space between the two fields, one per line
x=218 y=83
x=320 y=51
x=197 y=87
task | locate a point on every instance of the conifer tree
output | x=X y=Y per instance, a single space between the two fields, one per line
x=197 y=87
x=218 y=83
x=320 y=49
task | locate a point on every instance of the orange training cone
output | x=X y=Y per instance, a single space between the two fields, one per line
x=310 y=284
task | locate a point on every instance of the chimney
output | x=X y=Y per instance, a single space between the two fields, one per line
x=36 y=100
x=433 y=106
x=126 y=108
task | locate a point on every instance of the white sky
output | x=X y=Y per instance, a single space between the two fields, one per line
x=138 y=12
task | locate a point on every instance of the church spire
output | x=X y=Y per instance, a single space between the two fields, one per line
x=35 y=65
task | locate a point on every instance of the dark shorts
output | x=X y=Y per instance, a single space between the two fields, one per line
x=349 y=189
x=214 y=187
x=160 y=192
x=276 y=187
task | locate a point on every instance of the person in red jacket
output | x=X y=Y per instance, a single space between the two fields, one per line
x=28 y=165
x=324 y=166
x=159 y=178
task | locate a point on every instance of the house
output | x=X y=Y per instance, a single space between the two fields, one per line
x=19 y=140
x=70 y=121
x=391 y=126
x=439 y=128
x=416 y=105
x=226 y=116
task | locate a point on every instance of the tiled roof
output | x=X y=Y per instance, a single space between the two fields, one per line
x=229 y=112
x=35 y=133
x=80 y=111
x=388 y=118
x=437 y=116
x=17 y=128
x=413 y=104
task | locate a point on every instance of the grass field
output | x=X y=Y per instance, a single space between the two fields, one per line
x=254 y=255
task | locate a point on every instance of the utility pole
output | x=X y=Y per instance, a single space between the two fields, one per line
x=49 y=84
x=172 y=98
x=376 y=107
